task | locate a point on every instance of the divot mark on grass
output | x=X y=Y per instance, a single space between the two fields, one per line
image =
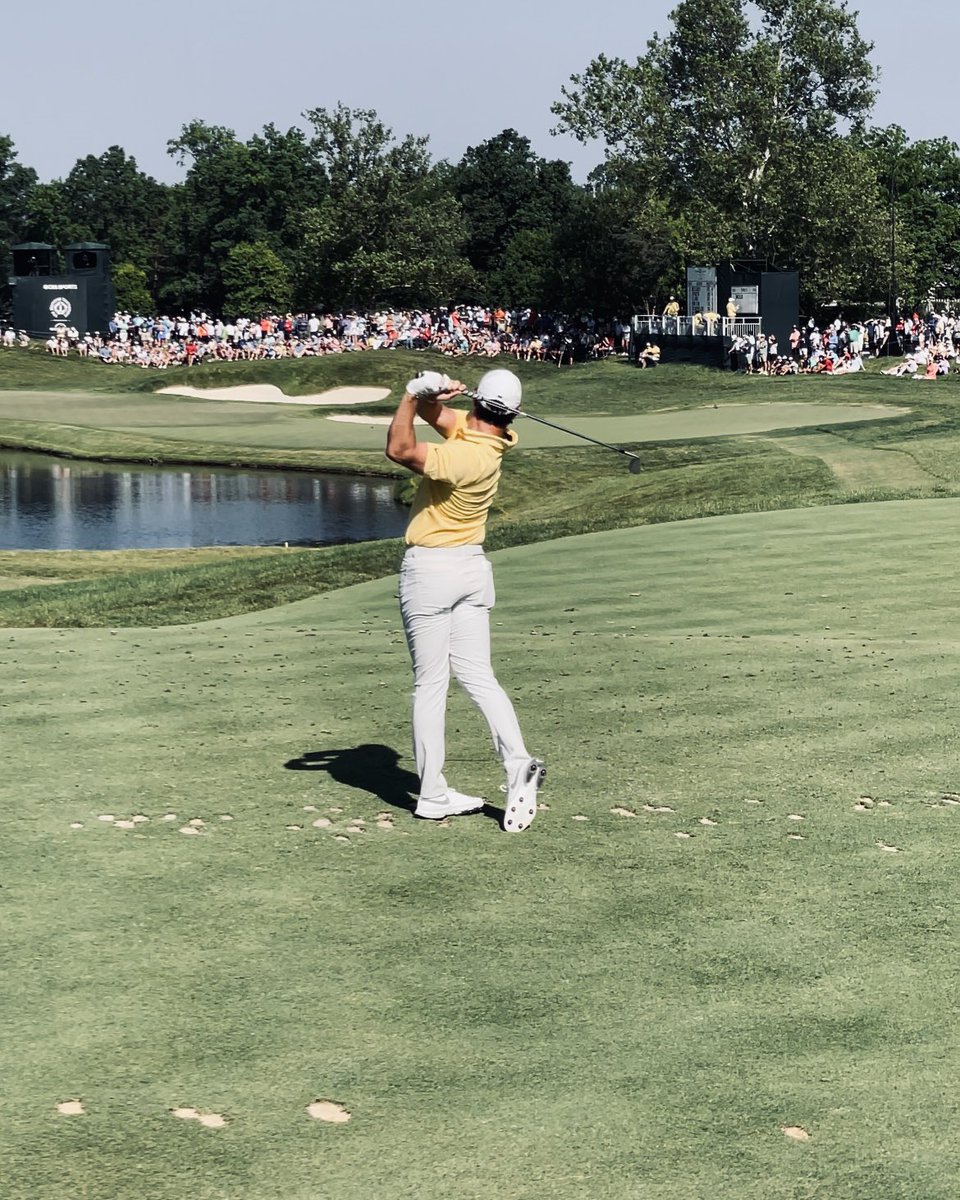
x=707 y=821
x=796 y=837
x=951 y=799
x=71 y=1108
x=190 y=830
x=683 y=834
x=209 y=1120
x=197 y=822
x=169 y=817
x=213 y=1120
x=863 y=803
x=335 y=810
x=340 y=838
x=542 y=807
x=309 y=808
x=226 y=817
x=109 y=817
x=657 y=808
x=889 y=849
x=294 y=828
x=329 y=1111
x=124 y=824
x=139 y=819
x=580 y=817
x=796 y=1132
x=76 y=825
x=322 y=823
x=795 y=817
x=622 y=812
x=384 y=823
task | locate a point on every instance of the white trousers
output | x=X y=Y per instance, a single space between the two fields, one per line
x=445 y=599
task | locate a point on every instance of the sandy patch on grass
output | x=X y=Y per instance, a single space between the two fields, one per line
x=207 y=1120
x=328 y=1110
x=269 y=393
x=796 y=1132
x=357 y=419
x=70 y=1108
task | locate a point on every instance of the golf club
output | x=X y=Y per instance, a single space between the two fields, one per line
x=636 y=465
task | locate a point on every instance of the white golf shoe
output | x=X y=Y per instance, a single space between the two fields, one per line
x=453 y=804
x=522 y=796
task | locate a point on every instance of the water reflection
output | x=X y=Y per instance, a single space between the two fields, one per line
x=55 y=504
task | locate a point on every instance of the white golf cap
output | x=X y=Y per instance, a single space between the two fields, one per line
x=502 y=388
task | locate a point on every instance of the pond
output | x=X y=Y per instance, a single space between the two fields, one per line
x=64 y=504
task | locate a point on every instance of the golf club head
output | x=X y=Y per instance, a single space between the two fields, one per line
x=636 y=466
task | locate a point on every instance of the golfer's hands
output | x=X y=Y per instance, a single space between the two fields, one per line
x=432 y=386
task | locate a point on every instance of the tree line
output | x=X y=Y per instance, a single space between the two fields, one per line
x=741 y=133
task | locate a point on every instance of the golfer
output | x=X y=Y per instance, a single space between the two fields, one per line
x=446 y=582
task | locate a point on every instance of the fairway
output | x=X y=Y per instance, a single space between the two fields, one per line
x=734 y=917
x=288 y=427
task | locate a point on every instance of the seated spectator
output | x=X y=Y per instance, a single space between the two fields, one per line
x=909 y=366
x=649 y=356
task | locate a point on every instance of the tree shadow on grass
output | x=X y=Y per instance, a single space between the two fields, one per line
x=370 y=768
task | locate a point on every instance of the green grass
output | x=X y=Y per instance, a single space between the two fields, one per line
x=553 y=487
x=598 y=1009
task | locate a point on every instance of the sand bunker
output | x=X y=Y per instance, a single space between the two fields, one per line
x=356 y=419
x=268 y=393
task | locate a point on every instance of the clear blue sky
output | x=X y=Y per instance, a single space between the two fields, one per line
x=76 y=78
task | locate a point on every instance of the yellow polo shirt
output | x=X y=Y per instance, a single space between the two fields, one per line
x=460 y=479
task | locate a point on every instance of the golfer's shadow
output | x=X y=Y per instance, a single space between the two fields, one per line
x=369 y=768
x=374 y=769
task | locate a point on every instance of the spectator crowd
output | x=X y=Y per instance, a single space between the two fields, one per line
x=928 y=344
x=465 y=330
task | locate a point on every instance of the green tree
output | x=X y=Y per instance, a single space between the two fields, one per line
x=236 y=192
x=919 y=185
x=504 y=190
x=107 y=198
x=385 y=227
x=613 y=254
x=723 y=117
x=47 y=217
x=16 y=185
x=255 y=280
x=130 y=287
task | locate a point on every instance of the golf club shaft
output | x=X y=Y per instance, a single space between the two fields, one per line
x=563 y=429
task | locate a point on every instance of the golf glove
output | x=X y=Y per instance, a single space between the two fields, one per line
x=428 y=383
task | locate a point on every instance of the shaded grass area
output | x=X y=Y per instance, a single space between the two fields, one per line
x=596 y=1009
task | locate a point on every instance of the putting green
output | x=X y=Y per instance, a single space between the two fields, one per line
x=277 y=426
x=736 y=918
